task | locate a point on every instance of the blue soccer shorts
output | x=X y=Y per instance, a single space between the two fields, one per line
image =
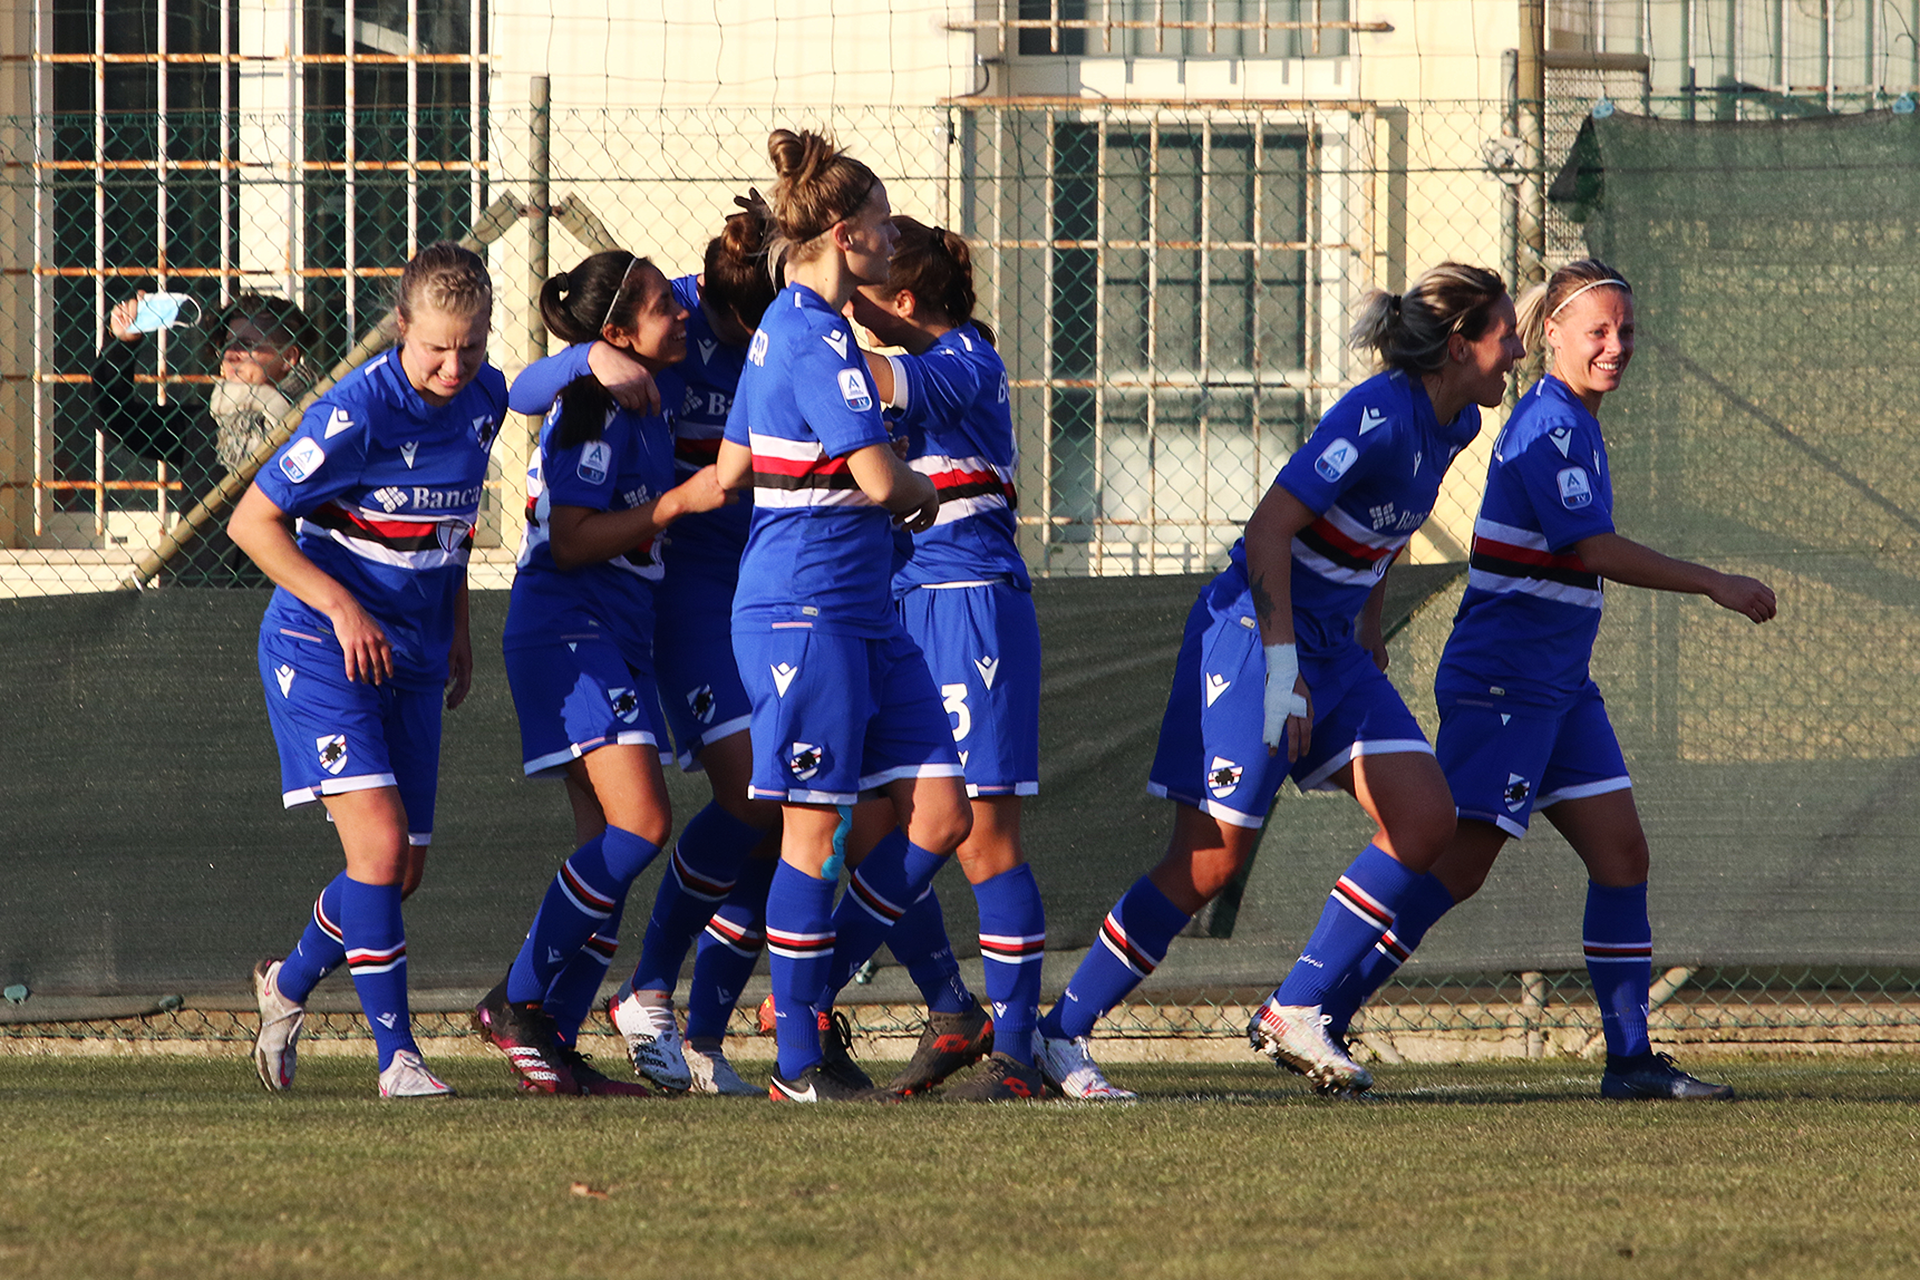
x=700 y=690
x=337 y=735
x=573 y=697
x=1503 y=763
x=982 y=646
x=1211 y=755
x=836 y=715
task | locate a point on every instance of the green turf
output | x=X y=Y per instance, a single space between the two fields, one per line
x=182 y=1167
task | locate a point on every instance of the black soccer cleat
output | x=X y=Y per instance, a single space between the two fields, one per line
x=818 y=1084
x=1002 y=1079
x=526 y=1034
x=950 y=1042
x=1654 y=1076
x=836 y=1042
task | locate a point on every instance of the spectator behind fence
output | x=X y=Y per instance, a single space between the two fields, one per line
x=261 y=342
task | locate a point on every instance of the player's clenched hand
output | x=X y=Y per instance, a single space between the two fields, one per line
x=369 y=656
x=1748 y=596
x=921 y=518
x=625 y=378
x=701 y=491
x=459 y=670
x=1288 y=707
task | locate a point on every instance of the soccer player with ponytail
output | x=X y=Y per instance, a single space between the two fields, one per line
x=381 y=483
x=1522 y=724
x=579 y=644
x=842 y=700
x=1282 y=674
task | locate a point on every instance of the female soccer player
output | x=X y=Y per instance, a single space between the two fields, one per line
x=702 y=699
x=965 y=599
x=1281 y=673
x=1522 y=725
x=367 y=626
x=579 y=637
x=842 y=701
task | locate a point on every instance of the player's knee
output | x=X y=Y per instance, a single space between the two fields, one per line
x=1420 y=838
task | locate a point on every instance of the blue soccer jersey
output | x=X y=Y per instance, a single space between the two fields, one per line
x=819 y=551
x=628 y=466
x=387 y=488
x=952 y=403
x=1527 y=623
x=709 y=543
x=1372 y=469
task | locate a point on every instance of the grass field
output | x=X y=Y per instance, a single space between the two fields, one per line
x=183 y=1167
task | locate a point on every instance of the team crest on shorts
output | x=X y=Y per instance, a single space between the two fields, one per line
x=333 y=751
x=805 y=760
x=626 y=704
x=1518 y=792
x=700 y=702
x=1223 y=776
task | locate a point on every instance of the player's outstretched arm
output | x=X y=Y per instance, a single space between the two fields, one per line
x=1625 y=561
x=582 y=535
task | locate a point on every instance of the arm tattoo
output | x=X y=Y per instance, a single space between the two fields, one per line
x=1262 y=599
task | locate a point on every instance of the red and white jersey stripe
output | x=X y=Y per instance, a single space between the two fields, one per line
x=798 y=473
x=1508 y=558
x=1339 y=548
x=967 y=486
x=405 y=542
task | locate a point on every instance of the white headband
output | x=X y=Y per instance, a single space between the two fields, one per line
x=1583 y=288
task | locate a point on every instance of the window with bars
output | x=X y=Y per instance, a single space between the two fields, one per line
x=210 y=148
x=1162 y=282
x=1181 y=28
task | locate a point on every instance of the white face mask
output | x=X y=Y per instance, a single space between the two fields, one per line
x=246 y=416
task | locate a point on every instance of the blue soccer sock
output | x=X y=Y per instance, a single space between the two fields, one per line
x=1618 y=939
x=1361 y=907
x=919 y=942
x=729 y=949
x=1133 y=941
x=706 y=862
x=376 y=942
x=1013 y=943
x=1425 y=903
x=321 y=950
x=891 y=878
x=588 y=886
x=569 y=997
x=799 y=953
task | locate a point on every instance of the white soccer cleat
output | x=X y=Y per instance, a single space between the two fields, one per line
x=653 y=1041
x=1068 y=1066
x=276 y=1045
x=1295 y=1037
x=712 y=1073
x=407 y=1077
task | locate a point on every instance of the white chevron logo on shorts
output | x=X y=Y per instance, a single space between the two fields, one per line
x=963 y=758
x=1505 y=718
x=783 y=674
x=987 y=667
x=572 y=647
x=284 y=674
x=1216 y=685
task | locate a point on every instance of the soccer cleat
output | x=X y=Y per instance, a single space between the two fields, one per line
x=949 y=1043
x=653 y=1040
x=1654 y=1075
x=818 y=1084
x=1068 y=1066
x=526 y=1035
x=713 y=1074
x=407 y=1077
x=277 y=1044
x=1002 y=1079
x=836 y=1042
x=1295 y=1038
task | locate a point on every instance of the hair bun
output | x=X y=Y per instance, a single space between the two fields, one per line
x=563 y=281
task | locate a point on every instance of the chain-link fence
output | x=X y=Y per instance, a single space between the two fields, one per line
x=1172 y=284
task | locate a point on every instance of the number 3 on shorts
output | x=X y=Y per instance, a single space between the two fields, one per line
x=955 y=701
